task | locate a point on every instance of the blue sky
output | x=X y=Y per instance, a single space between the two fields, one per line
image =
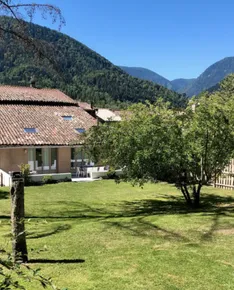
x=175 y=38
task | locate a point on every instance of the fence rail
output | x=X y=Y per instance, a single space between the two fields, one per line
x=226 y=179
x=5 y=178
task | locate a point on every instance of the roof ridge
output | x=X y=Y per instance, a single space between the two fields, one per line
x=21 y=93
x=25 y=87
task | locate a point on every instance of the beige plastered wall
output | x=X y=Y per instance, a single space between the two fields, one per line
x=11 y=158
x=64 y=160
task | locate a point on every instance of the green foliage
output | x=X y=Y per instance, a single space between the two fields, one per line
x=81 y=73
x=141 y=144
x=12 y=275
x=48 y=179
x=111 y=174
x=212 y=76
x=182 y=85
x=189 y=147
x=25 y=170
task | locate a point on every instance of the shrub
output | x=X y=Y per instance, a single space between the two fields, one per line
x=66 y=179
x=48 y=179
x=25 y=171
x=13 y=275
x=111 y=174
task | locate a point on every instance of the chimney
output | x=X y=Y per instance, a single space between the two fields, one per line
x=32 y=82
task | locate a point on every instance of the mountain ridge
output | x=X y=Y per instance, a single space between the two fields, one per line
x=147 y=74
x=178 y=85
x=213 y=75
x=83 y=73
x=208 y=79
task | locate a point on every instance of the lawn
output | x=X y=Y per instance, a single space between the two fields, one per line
x=102 y=235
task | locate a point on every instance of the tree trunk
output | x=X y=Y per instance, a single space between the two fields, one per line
x=192 y=199
x=19 y=246
x=196 y=195
x=186 y=195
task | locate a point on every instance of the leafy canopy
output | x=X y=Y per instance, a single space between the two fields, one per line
x=154 y=142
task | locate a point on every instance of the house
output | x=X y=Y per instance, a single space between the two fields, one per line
x=106 y=115
x=88 y=108
x=42 y=128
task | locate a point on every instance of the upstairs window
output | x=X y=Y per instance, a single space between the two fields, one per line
x=67 y=118
x=30 y=130
x=80 y=130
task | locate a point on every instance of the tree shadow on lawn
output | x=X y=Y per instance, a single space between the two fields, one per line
x=142 y=228
x=52 y=261
x=176 y=205
x=4 y=194
x=211 y=205
x=162 y=205
x=58 y=229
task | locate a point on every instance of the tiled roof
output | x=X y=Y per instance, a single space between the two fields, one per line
x=27 y=94
x=51 y=128
x=85 y=106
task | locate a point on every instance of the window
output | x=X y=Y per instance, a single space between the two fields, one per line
x=53 y=158
x=31 y=159
x=80 y=130
x=46 y=159
x=39 y=159
x=42 y=159
x=30 y=130
x=67 y=118
x=79 y=158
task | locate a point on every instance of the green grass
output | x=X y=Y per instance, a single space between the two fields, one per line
x=128 y=237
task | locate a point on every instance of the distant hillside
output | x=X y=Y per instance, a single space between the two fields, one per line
x=146 y=74
x=82 y=73
x=182 y=85
x=212 y=76
x=208 y=80
x=177 y=85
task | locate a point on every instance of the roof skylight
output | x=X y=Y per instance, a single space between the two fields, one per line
x=80 y=130
x=30 y=130
x=67 y=118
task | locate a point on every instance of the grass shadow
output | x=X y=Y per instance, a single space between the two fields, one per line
x=176 y=205
x=142 y=228
x=52 y=261
x=162 y=204
x=4 y=194
x=137 y=210
x=59 y=229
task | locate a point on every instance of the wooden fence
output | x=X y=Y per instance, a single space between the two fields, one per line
x=226 y=179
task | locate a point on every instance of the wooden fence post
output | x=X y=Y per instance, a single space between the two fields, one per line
x=19 y=246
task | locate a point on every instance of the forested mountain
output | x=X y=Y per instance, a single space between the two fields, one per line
x=182 y=85
x=81 y=73
x=212 y=76
x=208 y=80
x=146 y=74
x=177 y=85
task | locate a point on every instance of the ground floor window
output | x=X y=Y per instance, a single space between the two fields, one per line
x=79 y=158
x=42 y=159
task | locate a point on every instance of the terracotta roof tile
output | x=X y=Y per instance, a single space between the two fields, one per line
x=26 y=94
x=85 y=106
x=51 y=128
